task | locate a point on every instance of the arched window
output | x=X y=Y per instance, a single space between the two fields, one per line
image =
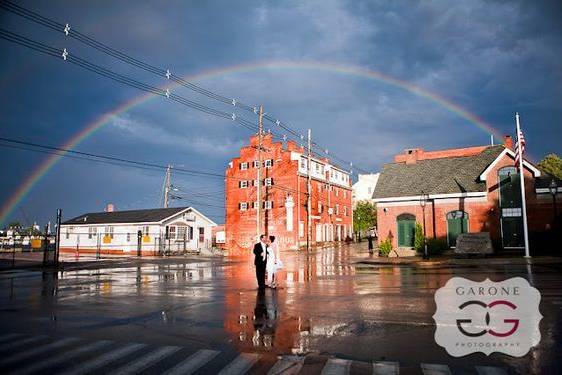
x=457 y=223
x=406 y=229
x=510 y=193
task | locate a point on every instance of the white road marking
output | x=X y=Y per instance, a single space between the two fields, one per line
x=104 y=359
x=240 y=365
x=38 y=350
x=21 y=342
x=193 y=363
x=386 y=368
x=287 y=365
x=488 y=370
x=336 y=366
x=62 y=357
x=434 y=369
x=147 y=360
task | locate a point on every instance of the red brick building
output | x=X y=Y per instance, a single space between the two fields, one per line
x=474 y=189
x=284 y=188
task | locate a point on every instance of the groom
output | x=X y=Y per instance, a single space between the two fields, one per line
x=260 y=253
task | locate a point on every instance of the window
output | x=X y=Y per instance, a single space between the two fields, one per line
x=319 y=207
x=243 y=166
x=268 y=163
x=337 y=208
x=510 y=191
x=268 y=205
x=268 y=181
x=92 y=232
x=255 y=205
x=128 y=236
x=337 y=192
x=344 y=194
x=172 y=232
x=182 y=232
x=190 y=233
x=301 y=229
x=345 y=210
x=243 y=184
x=201 y=234
x=69 y=230
x=146 y=229
x=256 y=164
x=303 y=163
x=109 y=231
x=243 y=206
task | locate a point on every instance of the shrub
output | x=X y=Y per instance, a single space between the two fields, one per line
x=436 y=246
x=385 y=247
x=418 y=239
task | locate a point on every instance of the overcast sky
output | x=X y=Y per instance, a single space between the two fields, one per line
x=491 y=58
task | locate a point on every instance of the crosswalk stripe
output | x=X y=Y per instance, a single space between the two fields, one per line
x=10 y=336
x=434 y=369
x=386 y=368
x=488 y=370
x=193 y=363
x=104 y=359
x=241 y=364
x=287 y=365
x=38 y=350
x=21 y=342
x=336 y=366
x=62 y=358
x=147 y=360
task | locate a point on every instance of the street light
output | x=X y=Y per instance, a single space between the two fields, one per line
x=553 y=187
x=423 y=201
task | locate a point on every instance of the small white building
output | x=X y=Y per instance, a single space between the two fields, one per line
x=150 y=232
x=364 y=188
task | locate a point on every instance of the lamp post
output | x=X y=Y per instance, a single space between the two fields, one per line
x=553 y=187
x=423 y=201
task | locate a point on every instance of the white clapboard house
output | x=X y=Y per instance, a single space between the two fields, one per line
x=138 y=232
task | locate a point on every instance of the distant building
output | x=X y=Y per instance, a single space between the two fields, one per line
x=364 y=188
x=474 y=189
x=219 y=236
x=284 y=186
x=161 y=230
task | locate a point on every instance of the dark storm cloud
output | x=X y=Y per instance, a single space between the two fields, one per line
x=490 y=57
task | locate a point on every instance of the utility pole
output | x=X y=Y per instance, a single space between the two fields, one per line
x=167 y=187
x=258 y=181
x=309 y=194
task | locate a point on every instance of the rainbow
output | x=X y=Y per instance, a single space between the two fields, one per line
x=41 y=170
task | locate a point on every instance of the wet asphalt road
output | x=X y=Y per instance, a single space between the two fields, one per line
x=150 y=316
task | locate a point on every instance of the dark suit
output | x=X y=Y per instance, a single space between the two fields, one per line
x=260 y=261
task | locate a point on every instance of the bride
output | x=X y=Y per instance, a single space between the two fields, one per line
x=273 y=262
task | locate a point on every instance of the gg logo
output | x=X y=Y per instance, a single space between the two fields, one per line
x=514 y=322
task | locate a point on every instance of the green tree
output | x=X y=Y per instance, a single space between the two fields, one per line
x=364 y=216
x=552 y=164
x=419 y=239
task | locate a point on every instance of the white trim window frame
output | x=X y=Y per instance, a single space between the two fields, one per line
x=268 y=181
x=243 y=206
x=256 y=164
x=243 y=184
x=268 y=163
x=244 y=166
x=268 y=205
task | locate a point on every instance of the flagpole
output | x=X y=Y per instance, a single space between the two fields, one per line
x=522 y=184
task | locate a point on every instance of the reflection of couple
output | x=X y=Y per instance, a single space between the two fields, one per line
x=265 y=319
x=267 y=260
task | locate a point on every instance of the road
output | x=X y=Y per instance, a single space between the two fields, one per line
x=203 y=314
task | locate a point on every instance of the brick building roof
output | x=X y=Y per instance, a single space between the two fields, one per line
x=445 y=175
x=132 y=216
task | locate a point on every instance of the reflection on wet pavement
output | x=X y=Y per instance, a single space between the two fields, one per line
x=326 y=303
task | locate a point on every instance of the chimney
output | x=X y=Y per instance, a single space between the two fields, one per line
x=413 y=155
x=109 y=207
x=508 y=141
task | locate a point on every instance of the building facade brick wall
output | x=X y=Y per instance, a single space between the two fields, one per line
x=285 y=186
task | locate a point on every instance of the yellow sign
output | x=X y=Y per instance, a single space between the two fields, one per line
x=36 y=244
x=146 y=239
x=106 y=239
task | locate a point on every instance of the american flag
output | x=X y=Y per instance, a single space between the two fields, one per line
x=518 y=154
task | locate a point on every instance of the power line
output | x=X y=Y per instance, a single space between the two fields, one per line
x=30 y=146
x=73 y=33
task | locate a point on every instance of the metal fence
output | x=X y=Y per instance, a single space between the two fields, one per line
x=27 y=250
